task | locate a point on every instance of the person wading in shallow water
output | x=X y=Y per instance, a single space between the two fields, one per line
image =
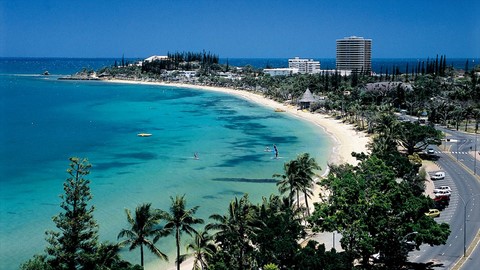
x=275 y=150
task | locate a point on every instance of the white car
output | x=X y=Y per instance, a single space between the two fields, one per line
x=437 y=176
x=442 y=188
x=443 y=193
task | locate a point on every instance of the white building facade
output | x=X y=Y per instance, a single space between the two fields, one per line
x=281 y=71
x=304 y=66
x=354 y=53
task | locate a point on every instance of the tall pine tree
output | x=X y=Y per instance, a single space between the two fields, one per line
x=73 y=245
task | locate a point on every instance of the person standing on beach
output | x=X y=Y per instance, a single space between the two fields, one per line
x=275 y=150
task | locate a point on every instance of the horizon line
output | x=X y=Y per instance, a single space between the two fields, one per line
x=110 y=57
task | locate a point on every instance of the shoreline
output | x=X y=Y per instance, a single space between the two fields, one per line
x=345 y=139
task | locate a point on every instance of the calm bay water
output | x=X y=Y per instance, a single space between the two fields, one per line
x=44 y=121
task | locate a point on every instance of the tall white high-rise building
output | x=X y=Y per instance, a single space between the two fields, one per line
x=354 y=53
x=304 y=65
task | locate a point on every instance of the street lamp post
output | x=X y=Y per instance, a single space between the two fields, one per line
x=404 y=241
x=465 y=221
x=457 y=151
x=407 y=235
x=475 y=155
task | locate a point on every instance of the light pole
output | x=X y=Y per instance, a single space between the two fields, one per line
x=457 y=151
x=408 y=234
x=475 y=155
x=465 y=221
x=333 y=240
x=404 y=241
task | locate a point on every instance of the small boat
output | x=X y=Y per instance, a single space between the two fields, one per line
x=279 y=110
x=46 y=73
x=144 y=134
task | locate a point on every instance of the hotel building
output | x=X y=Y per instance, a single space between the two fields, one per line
x=281 y=71
x=304 y=66
x=354 y=53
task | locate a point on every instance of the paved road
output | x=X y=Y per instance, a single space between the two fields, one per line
x=461 y=145
x=465 y=187
x=472 y=261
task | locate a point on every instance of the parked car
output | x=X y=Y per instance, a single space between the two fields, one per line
x=430 y=151
x=437 y=176
x=442 y=198
x=445 y=199
x=441 y=202
x=410 y=245
x=442 y=188
x=443 y=193
x=440 y=205
x=433 y=213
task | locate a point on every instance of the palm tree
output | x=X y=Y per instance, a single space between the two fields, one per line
x=290 y=181
x=306 y=172
x=107 y=256
x=203 y=248
x=277 y=241
x=144 y=225
x=180 y=220
x=234 y=231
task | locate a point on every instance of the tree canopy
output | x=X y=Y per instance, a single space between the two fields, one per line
x=374 y=212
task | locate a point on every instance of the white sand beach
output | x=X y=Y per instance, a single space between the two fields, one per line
x=345 y=138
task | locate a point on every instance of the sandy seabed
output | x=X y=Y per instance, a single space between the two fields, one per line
x=346 y=138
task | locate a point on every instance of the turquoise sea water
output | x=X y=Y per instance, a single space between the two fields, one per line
x=44 y=121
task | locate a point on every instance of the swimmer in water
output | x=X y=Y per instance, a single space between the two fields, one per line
x=276 y=150
x=195 y=155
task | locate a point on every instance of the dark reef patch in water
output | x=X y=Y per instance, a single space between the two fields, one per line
x=280 y=140
x=138 y=155
x=110 y=165
x=231 y=192
x=245 y=126
x=245 y=180
x=235 y=161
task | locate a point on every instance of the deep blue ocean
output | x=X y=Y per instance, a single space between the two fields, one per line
x=44 y=121
x=65 y=66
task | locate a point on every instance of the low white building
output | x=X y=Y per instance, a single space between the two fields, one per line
x=304 y=66
x=338 y=71
x=281 y=71
x=155 y=57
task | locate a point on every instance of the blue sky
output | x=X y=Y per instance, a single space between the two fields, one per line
x=233 y=29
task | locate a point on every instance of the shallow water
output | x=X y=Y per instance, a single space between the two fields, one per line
x=44 y=121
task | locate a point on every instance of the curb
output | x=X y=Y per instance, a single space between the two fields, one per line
x=477 y=177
